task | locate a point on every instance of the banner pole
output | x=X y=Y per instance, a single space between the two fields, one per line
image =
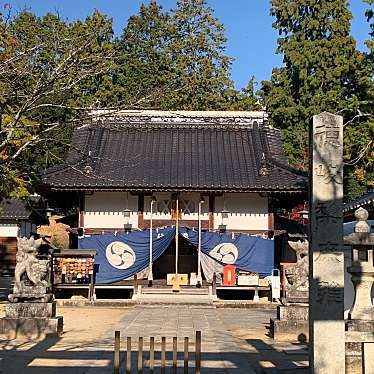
x=176 y=287
x=150 y=270
x=199 y=278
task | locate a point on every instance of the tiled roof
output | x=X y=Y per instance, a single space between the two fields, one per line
x=179 y=155
x=11 y=209
x=366 y=200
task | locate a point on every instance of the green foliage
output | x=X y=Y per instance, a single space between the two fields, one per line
x=49 y=70
x=198 y=46
x=174 y=60
x=144 y=68
x=323 y=71
x=52 y=72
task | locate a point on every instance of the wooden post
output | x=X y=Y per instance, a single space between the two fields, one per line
x=116 y=351
x=151 y=354
x=135 y=284
x=163 y=347
x=211 y=213
x=185 y=366
x=326 y=252
x=198 y=353
x=175 y=355
x=214 y=285
x=91 y=292
x=128 y=355
x=140 y=355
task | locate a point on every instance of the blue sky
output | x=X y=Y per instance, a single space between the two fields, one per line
x=251 y=39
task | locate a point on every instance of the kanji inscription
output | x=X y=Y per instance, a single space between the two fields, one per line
x=326 y=258
x=329 y=292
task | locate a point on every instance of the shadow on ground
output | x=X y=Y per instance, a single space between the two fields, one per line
x=43 y=357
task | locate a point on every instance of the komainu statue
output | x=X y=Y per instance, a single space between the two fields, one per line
x=298 y=274
x=31 y=276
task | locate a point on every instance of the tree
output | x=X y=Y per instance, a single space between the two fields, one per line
x=323 y=71
x=179 y=54
x=198 y=48
x=143 y=63
x=245 y=99
x=359 y=130
x=49 y=73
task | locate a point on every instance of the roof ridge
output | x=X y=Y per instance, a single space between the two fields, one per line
x=287 y=167
x=181 y=113
x=189 y=125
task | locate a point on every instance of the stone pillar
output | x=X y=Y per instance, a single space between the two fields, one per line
x=326 y=256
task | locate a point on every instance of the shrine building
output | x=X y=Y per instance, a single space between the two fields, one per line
x=230 y=166
x=235 y=160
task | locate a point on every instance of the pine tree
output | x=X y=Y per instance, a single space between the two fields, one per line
x=323 y=71
x=144 y=70
x=174 y=60
x=198 y=48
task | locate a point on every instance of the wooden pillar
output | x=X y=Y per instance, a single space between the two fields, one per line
x=326 y=252
x=141 y=212
x=270 y=213
x=211 y=212
x=81 y=209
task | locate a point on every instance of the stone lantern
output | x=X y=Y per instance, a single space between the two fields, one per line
x=360 y=346
x=362 y=267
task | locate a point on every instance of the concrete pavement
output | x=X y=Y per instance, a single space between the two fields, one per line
x=233 y=340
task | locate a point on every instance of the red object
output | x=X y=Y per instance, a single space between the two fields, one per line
x=229 y=278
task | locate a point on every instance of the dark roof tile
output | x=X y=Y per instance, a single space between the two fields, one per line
x=13 y=209
x=185 y=156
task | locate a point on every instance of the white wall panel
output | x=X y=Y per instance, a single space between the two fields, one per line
x=8 y=231
x=246 y=211
x=105 y=210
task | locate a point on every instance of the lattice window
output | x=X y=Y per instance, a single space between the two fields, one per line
x=166 y=206
x=187 y=206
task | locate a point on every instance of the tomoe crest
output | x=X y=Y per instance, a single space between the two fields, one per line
x=225 y=252
x=120 y=255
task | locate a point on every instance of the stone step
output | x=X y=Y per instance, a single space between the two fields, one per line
x=169 y=291
x=179 y=298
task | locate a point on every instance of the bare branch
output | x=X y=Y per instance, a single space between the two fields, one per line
x=358 y=116
x=33 y=140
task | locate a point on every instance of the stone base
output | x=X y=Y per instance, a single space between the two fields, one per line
x=356 y=355
x=289 y=330
x=21 y=310
x=34 y=327
x=293 y=312
x=31 y=320
x=359 y=325
x=291 y=324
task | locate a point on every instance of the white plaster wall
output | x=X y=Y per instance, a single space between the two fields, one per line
x=105 y=210
x=247 y=211
x=9 y=231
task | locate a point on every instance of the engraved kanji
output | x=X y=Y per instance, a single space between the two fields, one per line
x=329 y=292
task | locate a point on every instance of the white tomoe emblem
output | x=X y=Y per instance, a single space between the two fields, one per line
x=120 y=255
x=225 y=252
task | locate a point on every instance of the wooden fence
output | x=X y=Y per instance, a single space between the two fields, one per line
x=151 y=354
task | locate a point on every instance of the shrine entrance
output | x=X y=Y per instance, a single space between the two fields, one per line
x=187 y=260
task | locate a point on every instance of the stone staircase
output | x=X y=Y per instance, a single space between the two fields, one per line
x=165 y=295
